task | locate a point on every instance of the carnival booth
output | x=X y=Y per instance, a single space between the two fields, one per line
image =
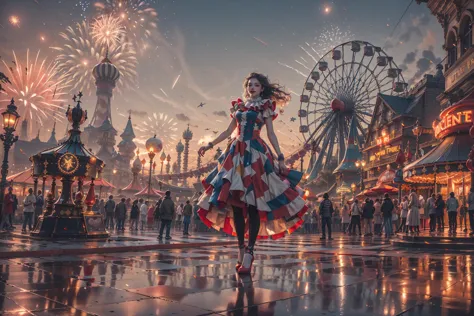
x=444 y=167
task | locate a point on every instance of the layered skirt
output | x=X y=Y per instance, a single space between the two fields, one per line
x=245 y=176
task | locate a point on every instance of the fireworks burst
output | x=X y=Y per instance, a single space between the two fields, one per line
x=38 y=89
x=80 y=53
x=329 y=38
x=138 y=18
x=107 y=30
x=163 y=125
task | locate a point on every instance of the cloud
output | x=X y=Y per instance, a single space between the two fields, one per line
x=424 y=64
x=139 y=113
x=410 y=57
x=220 y=113
x=182 y=117
x=409 y=32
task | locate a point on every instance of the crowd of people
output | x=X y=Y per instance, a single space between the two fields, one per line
x=139 y=214
x=386 y=216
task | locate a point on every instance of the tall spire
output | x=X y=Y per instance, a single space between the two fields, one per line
x=52 y=138
x=127 y=146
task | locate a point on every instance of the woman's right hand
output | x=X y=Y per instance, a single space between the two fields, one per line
x=203 y=150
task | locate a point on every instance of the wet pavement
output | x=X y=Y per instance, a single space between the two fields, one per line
x=298 y=275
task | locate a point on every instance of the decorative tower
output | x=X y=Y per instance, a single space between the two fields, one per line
x=127 y=146
x=126 y=149
x=168 y=164
x=187 y=136
x=174 y=169
x=106 y=75
x=179 y=150
x=24 y=130
x=107 y=153
x=52 y=139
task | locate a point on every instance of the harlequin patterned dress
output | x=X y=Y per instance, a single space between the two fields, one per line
x=248 y=174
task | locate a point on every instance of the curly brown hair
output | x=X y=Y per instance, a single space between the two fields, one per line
x=272 y=91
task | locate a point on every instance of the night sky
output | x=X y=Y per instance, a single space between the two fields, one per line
x=212 y=44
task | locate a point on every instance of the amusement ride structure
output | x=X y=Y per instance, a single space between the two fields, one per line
x=341 y=88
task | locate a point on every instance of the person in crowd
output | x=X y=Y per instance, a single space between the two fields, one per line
x=143 y=215
x=15 y=208
x=470 y=209
x=7 y=210
x=167 y=213
x=38 y=206
x=150 y=216
x=413 y=217
x=336 y=220
x=387 y=210
x=156 y=214
x=431 y=205
x=28 y=210
x=440 y=205
x=356 y=212
x=179 y=216
x=395 y=215
x=95 y=207
x=463 y=217
x=452 y=205
x=120 y=213
x=403 y=214
x=378 y=218
x=102 y=208
x=134 y=215
x=197 y=220
x=109 y=213
x=325 y=211
x=187 y=213
x=368 y=215
x=346 y=216
x=421 y=204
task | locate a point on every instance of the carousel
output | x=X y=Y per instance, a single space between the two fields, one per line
x=65 y=216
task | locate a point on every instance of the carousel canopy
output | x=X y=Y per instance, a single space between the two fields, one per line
x=446 y=159
x=101 y=183
x=26 y=178
x=145 y=193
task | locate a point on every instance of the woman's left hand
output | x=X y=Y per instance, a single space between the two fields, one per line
x=283 y=168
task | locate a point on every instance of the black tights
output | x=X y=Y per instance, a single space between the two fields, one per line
x=254 y=225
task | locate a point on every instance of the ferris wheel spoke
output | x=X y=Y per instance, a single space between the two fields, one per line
x=342 y=143
x=359 y=117
x=358 y=69
x=348 y=77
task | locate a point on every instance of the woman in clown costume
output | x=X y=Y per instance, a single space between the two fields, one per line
x=251 y=194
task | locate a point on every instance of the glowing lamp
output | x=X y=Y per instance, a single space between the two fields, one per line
x=10 y=117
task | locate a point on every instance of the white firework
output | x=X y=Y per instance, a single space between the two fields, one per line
x=107 y=30
x=79 y=53
x=138 y=18
x=40 y=92
x=163 y=125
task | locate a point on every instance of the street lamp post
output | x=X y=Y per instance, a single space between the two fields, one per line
x=10 y=121
x=153 y=146
x=353 y=188
x=360 y=164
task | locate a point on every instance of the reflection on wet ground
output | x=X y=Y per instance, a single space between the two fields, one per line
x=299 y=275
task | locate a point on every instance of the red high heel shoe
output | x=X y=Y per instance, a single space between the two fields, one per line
x=240 y=258
x=247 y=262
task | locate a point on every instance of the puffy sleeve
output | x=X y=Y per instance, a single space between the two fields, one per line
x=235 y=107
x=268 y=109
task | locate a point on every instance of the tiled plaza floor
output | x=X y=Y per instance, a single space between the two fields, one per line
x=298 y=275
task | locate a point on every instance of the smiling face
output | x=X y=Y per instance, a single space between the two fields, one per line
x=254 y=88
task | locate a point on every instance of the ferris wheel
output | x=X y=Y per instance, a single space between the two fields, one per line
x=343 y=86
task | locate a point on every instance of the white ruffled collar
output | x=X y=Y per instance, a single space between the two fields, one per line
x=255 y=103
